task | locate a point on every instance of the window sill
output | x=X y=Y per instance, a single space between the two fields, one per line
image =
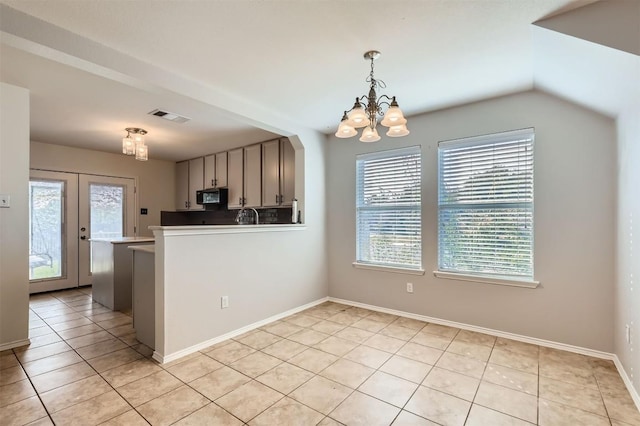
x=388 y=269
x=512 y=282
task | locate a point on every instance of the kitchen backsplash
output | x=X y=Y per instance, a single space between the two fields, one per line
x=221 y=217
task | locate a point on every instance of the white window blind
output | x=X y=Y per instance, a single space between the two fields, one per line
x=485 y=205
x=388 y=209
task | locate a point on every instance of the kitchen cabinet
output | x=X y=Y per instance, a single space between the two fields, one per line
x=221 y=169
x=235 y=178
x=111 y=263
x=189 y=179
x=278 y=173
x=144 y=299
x=253 y=176
x=215 y=170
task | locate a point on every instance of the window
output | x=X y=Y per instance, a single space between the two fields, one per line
x=485 y=205
x=388 y=211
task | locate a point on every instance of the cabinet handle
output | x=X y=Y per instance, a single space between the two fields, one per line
x=277 y=198
x=240 y=200
x=213 y=183
x=186 y=204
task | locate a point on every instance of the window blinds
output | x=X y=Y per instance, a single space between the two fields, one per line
x=388 y=208
x=485 y=205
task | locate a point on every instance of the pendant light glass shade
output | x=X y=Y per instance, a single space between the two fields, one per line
x=369 y=135
x=128 y=146
x=398 y=131
x=358 y=117
x=142 y=152
x=394 y=117
x=138 y=138
x=345 y=131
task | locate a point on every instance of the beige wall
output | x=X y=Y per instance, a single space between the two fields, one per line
x=574 y=224
x=627 y=291
x=156 y=178
x=14 y=221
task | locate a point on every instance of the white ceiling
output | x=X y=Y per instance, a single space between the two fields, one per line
x=301 y=60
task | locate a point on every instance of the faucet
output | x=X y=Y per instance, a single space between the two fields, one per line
x=241 y=214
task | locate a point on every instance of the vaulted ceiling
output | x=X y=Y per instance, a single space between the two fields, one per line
x=244 y=71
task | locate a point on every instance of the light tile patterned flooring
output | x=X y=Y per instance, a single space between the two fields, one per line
x=329 y=365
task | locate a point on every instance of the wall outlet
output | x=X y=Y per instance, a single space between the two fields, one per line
x=409 y=287
x=5 y=200
x=224 y=302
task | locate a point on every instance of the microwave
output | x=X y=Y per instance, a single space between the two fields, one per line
x=212 y=196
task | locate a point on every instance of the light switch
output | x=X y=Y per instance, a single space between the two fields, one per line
x=5 y=200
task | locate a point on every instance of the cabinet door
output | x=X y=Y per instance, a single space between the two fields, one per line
x=234 y=175
x=287 y=172
x=210 y=171
x=252 y=176
x=271 y=173
x=221 y=169
x=196 y=181
x=182 y=185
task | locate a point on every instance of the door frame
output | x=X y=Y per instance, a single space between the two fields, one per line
x=129 y=228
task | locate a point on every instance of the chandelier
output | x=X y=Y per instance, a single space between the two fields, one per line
x=366 y=110
x=133 y=143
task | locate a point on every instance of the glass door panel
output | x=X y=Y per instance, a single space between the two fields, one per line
x=53 y=219
x=46 y=229
x=106 y=210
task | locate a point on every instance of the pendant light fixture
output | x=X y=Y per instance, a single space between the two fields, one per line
x=133 y=143
x=366 y=109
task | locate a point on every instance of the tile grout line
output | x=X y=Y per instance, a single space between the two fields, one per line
x=83 y=360
x=338 y=358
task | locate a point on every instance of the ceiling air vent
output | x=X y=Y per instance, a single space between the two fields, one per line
x=171 y=116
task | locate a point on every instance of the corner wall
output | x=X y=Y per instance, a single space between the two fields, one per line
x=627 y=290
x=156 y=178
x=574 y=224
x=14 y=221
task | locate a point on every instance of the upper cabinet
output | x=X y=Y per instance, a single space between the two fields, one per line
x=234 y=178
x=260 y=175
x=221 y=169
x=189 y=179
x=252 y=176
x=278 y=173
x=215 y=170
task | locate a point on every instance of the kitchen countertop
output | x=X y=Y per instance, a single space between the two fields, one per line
x=125 y=240
x=223 y=229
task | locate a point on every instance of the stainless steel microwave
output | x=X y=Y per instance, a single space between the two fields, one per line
x=212 y=196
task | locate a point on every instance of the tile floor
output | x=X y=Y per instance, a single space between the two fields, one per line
x=329 y=365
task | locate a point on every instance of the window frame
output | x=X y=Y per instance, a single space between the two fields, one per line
x=527 y=281
x=361 y=261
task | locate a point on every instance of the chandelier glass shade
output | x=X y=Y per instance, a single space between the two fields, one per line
x=367 y=109
x=133 y=143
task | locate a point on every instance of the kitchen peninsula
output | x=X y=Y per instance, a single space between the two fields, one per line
x=262 y=271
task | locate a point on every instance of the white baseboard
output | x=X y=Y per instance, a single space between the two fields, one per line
x=512 y=336
x=14 y=344
x=627 y=381
x=162 y=359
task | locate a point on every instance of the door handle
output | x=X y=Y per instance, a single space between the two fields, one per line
x=83 y=237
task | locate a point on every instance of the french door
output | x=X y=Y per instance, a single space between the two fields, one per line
x=66 y=210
